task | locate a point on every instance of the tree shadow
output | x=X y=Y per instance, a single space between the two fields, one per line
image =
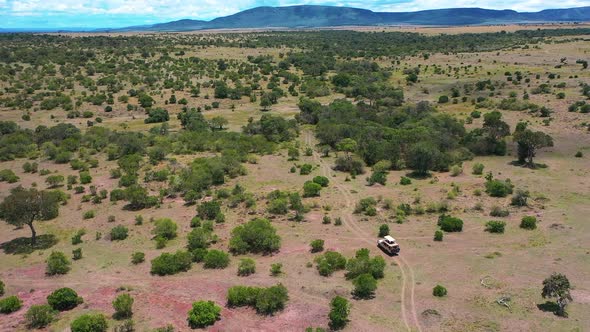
x=22 y=245
x=549 y=306
x=419 y=175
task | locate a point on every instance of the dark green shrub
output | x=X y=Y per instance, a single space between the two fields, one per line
x=216 y=259
x=123 y=306
x=1 y=288
x=450 y=224
x=439 y=291
x=119 y=233
x=167 y=263
x=199 y=238
x=528 y=222
x=203 y=314
x=438 y=235
x=256 y=236
x=321 y=180
x=317 y=245
x=305 y=169
x=364 y=286
x=64 y=299
x=329 y=262
x=498 y=188
x=10 y=304
x=77 y=238
x=77 y=254
x=377 y=177
x=311 y=189
x=272 y=299
x=137 y=257
x=404 y=181
x=278 y=206
x=276 y=269
x=199 y=254
x=494 y=226
x=209 y=210
x=89 y=323
x=39 y=316
x=239 y=296
x=362 y=263
x=247 y=267
x=579 y=154
x=57 y=263
x=383 y=230
x=339 y=311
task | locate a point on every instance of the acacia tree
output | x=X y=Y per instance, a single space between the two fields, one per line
x=529 y=142
x=347 y=145
x=218 y=122
x=558 y=286
x=25 y=206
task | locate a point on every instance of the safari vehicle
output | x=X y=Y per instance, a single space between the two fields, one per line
x=389 y=245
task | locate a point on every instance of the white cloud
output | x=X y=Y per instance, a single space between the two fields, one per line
x=162 y=10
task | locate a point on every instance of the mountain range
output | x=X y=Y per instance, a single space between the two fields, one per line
x=311 y=16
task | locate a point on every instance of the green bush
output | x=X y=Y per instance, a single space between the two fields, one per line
x=478 y=169
x=165 y=228
x=439 y=291
x=321 y=180
x=203 y=314
x=362 y=263
x=216 y=259
x=57 y=263
x=305 y=169
x=383 y=230
x=528 y=222
x=498 y=188
x=317 y=245
x=89 y=214
x=167 y=263
x=330 y=262
x=39 y=316
x=89 y=323
x=199 y=254
x=10 y=304
x=438 y=235
x=276 y=269
x=123 y=306
x=404 y=181
x=494 y=226
x=77 y=254
x=311 y=189
x=64 y=299
x=119 y=233
x=256 y=236
x=199 y=238
x=2 y=288
x=137 y=257
x=85 y=177
x=272 y=299
x=209 y=210
x=239 y=296
x=339 y=311
x=247 y=267
x=278 y=206
x=450 y=224
x=364 y=286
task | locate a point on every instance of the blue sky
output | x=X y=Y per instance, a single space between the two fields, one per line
x=119 y=13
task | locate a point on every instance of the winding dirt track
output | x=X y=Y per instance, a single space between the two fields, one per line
x=407 y=273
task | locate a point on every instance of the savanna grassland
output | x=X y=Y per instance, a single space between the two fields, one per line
x=150 y=174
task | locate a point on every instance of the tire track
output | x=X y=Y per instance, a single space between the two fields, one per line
x=407 y=276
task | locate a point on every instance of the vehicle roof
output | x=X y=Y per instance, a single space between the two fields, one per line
x=389 y=238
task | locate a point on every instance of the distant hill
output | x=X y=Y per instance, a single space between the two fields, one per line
x=307 y=16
